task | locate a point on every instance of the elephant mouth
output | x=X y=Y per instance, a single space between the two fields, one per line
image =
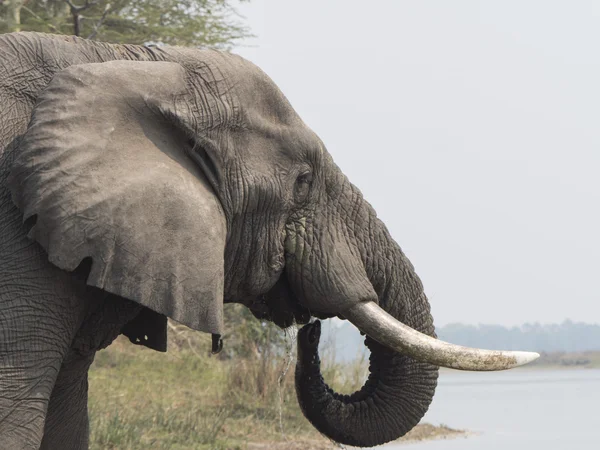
x=283 y=319
x=280 y=306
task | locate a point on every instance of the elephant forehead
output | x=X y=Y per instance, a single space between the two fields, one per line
x=246 y=94
x=269 y=113
x=258 y=93
x=228 y=75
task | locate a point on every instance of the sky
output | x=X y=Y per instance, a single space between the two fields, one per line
x=473 y=128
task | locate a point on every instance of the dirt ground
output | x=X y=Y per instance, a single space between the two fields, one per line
x=421 y=432
x=426 y=431
x=296 y=445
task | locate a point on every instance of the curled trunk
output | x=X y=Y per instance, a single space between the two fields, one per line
x=392 y=401
x=399 y=388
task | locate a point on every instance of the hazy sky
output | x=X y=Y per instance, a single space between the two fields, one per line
x=474 y=130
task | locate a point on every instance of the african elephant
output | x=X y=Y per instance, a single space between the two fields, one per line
x=140 y=183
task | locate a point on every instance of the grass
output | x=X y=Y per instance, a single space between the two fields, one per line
x=188 y=399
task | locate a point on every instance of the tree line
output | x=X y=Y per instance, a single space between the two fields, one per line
x=214 y=23
x=568 y=336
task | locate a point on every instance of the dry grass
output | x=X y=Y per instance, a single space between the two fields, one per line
x=186 y=399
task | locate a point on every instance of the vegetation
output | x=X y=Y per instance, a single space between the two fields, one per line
x=177 y=22
x=566 y=337
x=243 y=398
x=583 y=360
x=187 y=399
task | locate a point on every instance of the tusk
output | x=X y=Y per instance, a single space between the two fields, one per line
x=371 y=319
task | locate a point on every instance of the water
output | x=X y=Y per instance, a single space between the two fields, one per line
x=520 y=410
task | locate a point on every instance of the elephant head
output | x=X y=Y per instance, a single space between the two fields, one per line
x=193 y=182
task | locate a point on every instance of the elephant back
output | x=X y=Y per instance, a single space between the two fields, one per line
x=29 y=62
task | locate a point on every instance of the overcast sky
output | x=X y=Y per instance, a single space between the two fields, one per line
x=474 y=130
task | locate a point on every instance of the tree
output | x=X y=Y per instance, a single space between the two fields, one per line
x=213 y=23
x=12 y=13
x=248 y=337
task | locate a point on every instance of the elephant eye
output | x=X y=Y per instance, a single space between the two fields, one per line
x=302 y=187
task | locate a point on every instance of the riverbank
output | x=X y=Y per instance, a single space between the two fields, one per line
x=186 y=399
x=422 y=432
x=428 y=432
x=558 y=360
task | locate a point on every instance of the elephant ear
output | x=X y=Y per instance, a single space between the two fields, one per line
x=105 y=173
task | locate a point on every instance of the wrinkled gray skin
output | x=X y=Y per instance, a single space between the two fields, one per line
x=136 y=189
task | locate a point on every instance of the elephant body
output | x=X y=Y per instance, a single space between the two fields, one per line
x=138 y=184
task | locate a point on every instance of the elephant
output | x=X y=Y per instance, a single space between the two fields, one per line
x=139 y=184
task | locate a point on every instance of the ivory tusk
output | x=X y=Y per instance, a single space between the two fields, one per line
x=385 y=329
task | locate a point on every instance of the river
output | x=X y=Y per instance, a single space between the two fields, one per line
x=522 y=409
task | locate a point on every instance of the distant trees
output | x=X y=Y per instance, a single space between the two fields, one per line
x=568 y=336
x=177 y=22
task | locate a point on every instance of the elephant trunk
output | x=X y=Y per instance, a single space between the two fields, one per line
x=399 y=388
x=369 y=281
x=392 y=401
